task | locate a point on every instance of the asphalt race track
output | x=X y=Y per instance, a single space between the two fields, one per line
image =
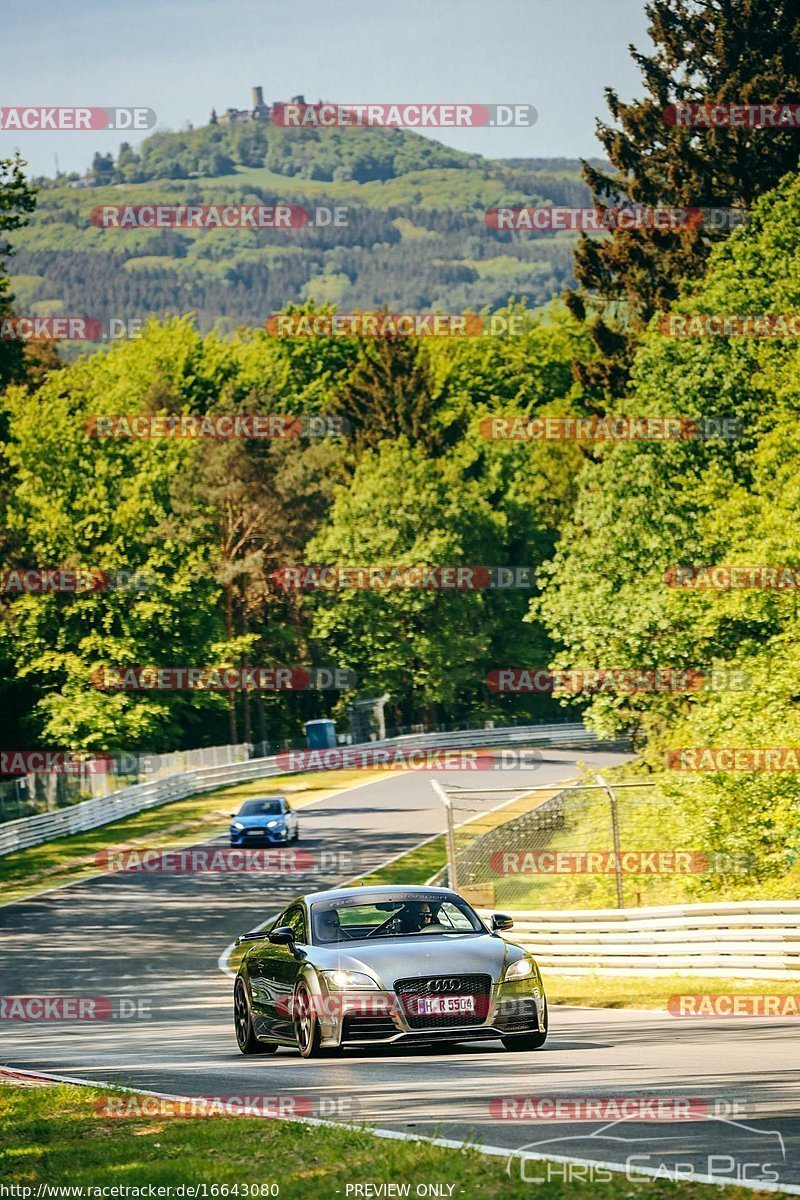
x=158 y=937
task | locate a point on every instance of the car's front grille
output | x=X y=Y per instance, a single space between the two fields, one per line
x=517 y=1016
x=360 y=1029
x=410 y=991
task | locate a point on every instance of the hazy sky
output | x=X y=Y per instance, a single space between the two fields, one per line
x=181 y=57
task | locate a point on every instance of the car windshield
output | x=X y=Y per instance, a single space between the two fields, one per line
x=253 y=808
x=344 y=920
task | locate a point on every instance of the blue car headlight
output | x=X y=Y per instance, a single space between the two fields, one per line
x=237 y=825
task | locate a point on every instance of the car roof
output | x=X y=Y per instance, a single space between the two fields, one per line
x=250 y=799
x=384 y=889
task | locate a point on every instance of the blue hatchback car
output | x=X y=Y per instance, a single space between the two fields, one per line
x=267 y=819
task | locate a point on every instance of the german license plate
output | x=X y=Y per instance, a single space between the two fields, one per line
x=430 y=1006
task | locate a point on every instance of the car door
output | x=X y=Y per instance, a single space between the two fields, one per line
x=279 y=967
x=262 y=984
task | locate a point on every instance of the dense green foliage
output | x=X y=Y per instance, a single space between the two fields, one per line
x=707 y=52
x=416 y=481
x=17 y=202
x=648 y=507
x=208 y=522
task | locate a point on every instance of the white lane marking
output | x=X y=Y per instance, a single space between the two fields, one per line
x=60 y=887
x=397 y=1135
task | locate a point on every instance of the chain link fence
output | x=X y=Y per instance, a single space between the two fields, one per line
x=591 y=845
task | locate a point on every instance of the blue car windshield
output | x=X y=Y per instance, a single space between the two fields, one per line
x=253 y=808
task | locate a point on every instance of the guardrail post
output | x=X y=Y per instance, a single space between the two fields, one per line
x=615 y=831
x=452 y=864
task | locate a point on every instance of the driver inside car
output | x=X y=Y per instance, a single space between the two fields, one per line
x=416 y=918
x=329 y=928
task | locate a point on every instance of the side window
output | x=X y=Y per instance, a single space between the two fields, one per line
x=450 y=915
x=296 y=921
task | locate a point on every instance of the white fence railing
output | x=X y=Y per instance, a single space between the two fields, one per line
x=750 y=939
x=102 y=810
x=49 y=791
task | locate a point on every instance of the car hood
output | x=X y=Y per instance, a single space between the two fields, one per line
x=390 y=959
x=259 y=818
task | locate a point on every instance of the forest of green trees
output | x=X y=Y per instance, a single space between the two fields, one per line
x=416 y=481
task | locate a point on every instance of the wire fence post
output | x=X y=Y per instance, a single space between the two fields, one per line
x=615 y=831
x=452 y=865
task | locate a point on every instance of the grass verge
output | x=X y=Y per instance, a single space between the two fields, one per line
x=653 y=991
x=53 y=1134
x=181 y=823
x=415 y=867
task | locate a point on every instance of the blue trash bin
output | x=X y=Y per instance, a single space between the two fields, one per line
x=321 y=734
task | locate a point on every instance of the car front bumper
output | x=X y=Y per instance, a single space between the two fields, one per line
x=267 y=837
x=510 y=1010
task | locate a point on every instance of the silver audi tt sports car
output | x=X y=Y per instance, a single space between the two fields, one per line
x=378 y=965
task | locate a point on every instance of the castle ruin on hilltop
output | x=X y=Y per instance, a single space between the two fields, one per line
x=259 y=111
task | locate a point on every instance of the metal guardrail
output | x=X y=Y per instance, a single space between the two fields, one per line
x=41 y=792
x=746 y=939
x=102 y=810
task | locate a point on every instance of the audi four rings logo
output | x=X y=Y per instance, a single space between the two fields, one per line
x=444 y=985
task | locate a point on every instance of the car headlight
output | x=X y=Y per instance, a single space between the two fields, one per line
x=523 y=968
x=340 y=981
x=237 y=825
x=272 y=824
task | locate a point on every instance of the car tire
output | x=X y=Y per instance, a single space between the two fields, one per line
x=307 y=1032
x=527 y=1041
x=296 y=837
x=246 y=1038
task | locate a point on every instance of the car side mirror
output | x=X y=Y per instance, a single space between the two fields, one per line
x=234 y=815
x=282 y=936
x=501 y=923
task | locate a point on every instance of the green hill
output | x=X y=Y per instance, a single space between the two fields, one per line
x=416 y=235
